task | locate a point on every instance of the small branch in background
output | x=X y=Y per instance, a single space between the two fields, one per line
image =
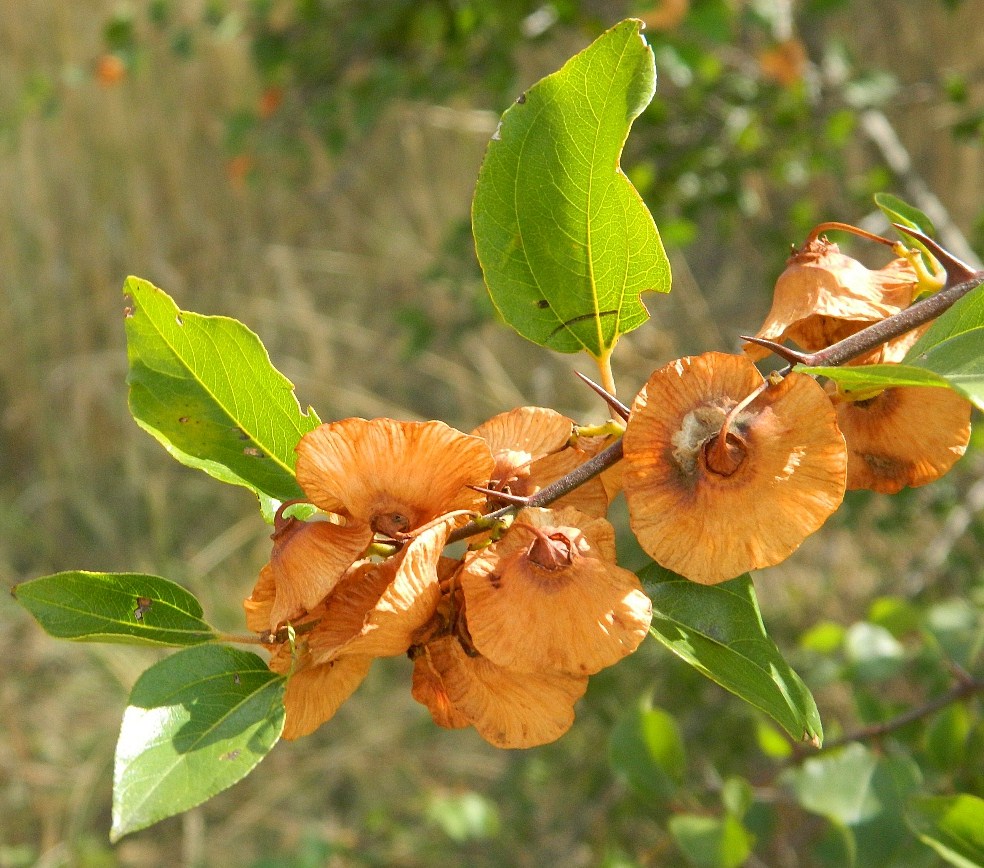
x=879 y=130
x=935 y=555
x=965 y=688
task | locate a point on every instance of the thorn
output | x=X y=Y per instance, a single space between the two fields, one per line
x=616 y=406
x=501 y=495
x=957 y=270
x=784 y=352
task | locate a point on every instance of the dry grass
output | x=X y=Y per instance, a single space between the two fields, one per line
x=96 y=183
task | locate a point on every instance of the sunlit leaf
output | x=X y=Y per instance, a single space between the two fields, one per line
x=718 y=630
x=952 y=825
x=197 y=722
x=115 y=607
x=565 y=241
x=954 y=347
x=872 y=652
x=863 y=794
x=865 y=377
x=901 y=212
x=205 y=388
x=467 y=816
x=950 y=353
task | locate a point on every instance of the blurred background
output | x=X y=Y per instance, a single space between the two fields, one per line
x=307 y=168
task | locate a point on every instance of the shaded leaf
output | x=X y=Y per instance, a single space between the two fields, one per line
x=645 y=747
x=946 y=737
x=205 y=388
x=197 y=722
x=952 y=825
x=564 y=240
x=131 y=608
x=709 y=842
x=718 y=630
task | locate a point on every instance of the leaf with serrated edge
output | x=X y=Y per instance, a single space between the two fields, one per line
x=198 y=722
x=205 y=388
x=129 y=608
x=564 y=240
x=718 y=630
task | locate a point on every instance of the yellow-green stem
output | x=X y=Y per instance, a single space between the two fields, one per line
x=605 y=369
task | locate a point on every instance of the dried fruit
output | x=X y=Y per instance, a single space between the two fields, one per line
x=549 y=596
x=717 y=486
x=824 y=296
x=903 y=436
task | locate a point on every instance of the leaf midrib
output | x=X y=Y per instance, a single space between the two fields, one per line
x=200 y=320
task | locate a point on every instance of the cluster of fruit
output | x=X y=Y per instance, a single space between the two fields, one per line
x=725 y=470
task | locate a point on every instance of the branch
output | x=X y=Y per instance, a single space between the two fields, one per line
x=545 y=496
x=963 y=689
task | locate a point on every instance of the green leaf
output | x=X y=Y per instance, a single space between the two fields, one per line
x=205 y=388
x=863 y=796
x=946 y=737
x=564 y=240
x=718 y=630
x=950 y=353
x=467 y=816
x=952 y=825
x=709 y=842
x=645 y=747
x=115 y=607
x=953 y=347
x=862 y=378
x=872 y=652
x=197 y=722
x=905 y=214
x=898 y=211
x=737 y=796
x=853 y=785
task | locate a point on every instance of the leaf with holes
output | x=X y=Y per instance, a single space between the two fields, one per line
x=131 y=608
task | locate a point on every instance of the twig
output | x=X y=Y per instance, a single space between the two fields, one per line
x=963 y=689
x=877 y=127
x=547 y=495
